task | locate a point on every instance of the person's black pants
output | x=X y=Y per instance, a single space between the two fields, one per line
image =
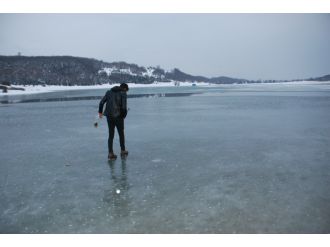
x=119 y=124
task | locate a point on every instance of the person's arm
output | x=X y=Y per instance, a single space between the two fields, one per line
x=123 y=111
x=102 y=102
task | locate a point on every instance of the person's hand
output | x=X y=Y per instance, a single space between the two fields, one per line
x=123 y=113
x=100 y=115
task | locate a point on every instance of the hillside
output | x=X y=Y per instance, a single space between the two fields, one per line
x=322 y=78
x=68 y=70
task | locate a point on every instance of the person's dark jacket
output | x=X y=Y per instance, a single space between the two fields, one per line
x=116 y=100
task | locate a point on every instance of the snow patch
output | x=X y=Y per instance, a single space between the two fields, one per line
x=149 y=72
x=115 y=70
x=156 y=160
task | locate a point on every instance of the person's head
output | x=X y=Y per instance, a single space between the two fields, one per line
x=124 y=87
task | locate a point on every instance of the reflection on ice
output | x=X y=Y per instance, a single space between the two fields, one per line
x=117 y=196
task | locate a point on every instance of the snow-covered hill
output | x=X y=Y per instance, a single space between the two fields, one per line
x=70 y=71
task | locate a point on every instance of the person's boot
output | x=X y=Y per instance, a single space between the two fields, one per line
x=112 y=156
x=124 y=152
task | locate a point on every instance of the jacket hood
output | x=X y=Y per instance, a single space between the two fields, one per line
x=116 y=89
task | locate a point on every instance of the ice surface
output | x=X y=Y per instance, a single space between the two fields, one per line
x=234 y=159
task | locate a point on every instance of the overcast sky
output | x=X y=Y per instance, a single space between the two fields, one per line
x=250 y=46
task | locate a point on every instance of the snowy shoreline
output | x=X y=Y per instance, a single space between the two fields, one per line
x=37 y=89
x=30 y=89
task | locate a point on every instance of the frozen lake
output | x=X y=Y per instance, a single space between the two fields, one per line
x=227 y=159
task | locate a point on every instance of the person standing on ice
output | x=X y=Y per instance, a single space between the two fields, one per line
x=115 y=111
